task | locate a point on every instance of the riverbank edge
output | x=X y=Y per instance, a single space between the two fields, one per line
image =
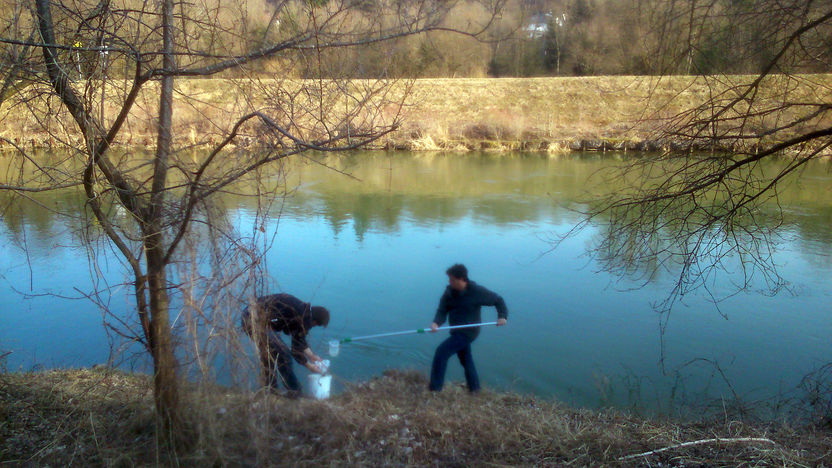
x=429 y=144
x=105 y=417
x=552 y=115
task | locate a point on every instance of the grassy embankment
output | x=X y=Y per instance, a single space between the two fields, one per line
x=105 y=417
x=539 y=114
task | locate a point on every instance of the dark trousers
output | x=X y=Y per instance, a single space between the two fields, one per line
x=273 y=354
x=461 y=345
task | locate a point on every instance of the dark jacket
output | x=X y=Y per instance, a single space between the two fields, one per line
x=464 y=307
x=290 y=315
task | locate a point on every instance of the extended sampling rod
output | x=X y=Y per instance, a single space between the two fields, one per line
x=335 y=345
x=418 y=330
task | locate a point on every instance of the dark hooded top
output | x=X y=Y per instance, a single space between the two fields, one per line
x=290 y=315
x=464 y=307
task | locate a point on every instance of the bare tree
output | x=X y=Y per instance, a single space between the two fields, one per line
x=106 y=62
x=702 y=202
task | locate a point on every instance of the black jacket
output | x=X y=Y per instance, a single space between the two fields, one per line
x=464 y=307
x=290 y=315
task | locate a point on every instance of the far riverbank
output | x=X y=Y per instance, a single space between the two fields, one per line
x=609 y=113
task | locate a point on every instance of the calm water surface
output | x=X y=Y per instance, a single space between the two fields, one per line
x=374 y=248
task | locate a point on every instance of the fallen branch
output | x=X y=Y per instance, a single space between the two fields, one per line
x=697 y=442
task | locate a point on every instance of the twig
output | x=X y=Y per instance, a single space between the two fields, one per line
x=94 y=437
x=697 y=442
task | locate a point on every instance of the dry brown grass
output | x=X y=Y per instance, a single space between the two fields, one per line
x=541 y=113
x=104 y=417
x=445 y=114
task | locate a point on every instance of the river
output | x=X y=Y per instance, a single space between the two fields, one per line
x=373 y=247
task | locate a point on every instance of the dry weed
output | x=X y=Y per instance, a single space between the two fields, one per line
x=505 y=113
x=104 y=417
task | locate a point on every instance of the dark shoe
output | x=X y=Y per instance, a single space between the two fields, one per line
x=294 y=394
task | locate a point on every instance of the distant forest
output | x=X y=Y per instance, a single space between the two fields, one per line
x=593 y=37
x=527 y=38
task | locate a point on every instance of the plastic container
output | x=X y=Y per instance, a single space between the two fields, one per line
x=319 y=386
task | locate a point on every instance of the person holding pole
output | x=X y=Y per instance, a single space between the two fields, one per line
x=283 y=313
x=461 y=304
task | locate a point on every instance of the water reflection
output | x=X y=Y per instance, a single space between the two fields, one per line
x=383 y=189
x=374 y=245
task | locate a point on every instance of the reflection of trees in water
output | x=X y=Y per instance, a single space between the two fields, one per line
x=385 y=212
x=367 y=211
x=721 y=237
x=629 y=248
x=442 y=174
x=445 y=188
x=440 y=188
x=41 y=221
x=814 y=235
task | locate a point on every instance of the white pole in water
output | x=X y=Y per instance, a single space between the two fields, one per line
x=334 y=345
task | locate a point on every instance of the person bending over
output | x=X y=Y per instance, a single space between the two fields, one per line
x=285 y=313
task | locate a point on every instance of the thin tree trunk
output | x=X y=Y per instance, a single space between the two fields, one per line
x=165 y=383
x=164 y=377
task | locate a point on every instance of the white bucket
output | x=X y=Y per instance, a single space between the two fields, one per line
x=319 y=386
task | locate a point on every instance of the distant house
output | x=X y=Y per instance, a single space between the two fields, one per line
x=538 y=25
